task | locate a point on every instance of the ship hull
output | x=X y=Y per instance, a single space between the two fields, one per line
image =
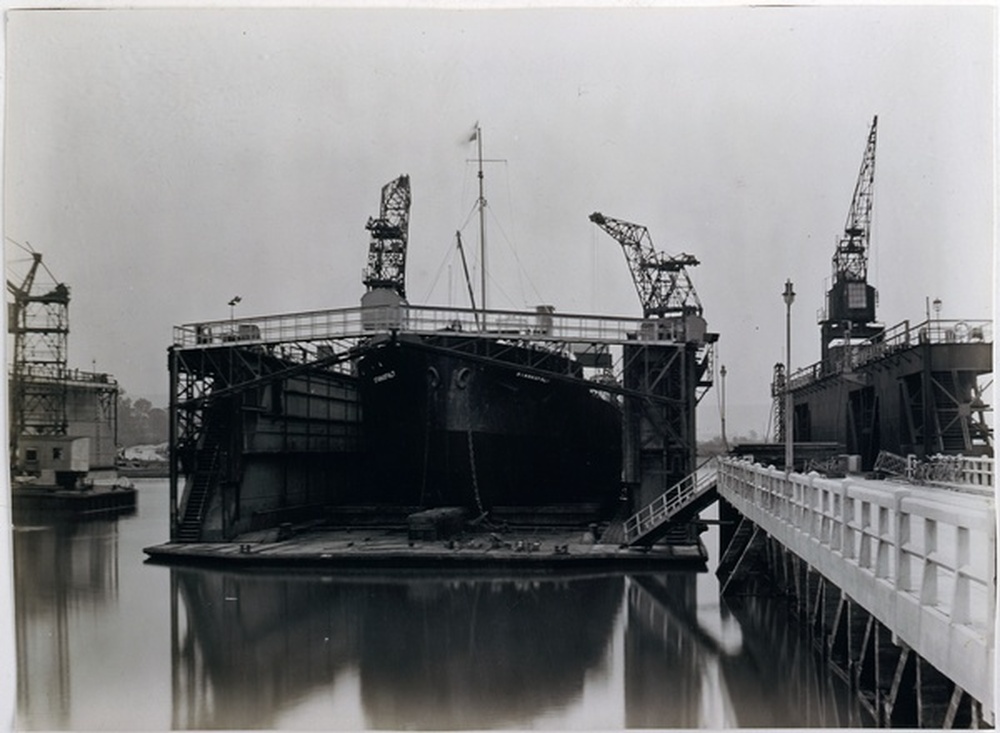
x=457 y=422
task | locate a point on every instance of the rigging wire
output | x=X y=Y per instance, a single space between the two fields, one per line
x=445 y=260
x=522 y=271
x=448 y=257
x=28 y=248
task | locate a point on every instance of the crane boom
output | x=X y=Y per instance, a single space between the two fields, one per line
x=24 y=288
x=390 y=230
x=850 y=301
x=661 y=280
x=850 y=261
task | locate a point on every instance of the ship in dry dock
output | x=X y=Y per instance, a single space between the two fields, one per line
x=374 y=413
x=472 y=414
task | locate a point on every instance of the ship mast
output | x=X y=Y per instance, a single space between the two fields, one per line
x=482 y=220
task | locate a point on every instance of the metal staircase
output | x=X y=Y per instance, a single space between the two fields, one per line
x=952 y=428
x=678 y=504
x=201 y=482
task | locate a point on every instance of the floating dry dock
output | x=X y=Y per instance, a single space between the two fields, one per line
x=365 y=547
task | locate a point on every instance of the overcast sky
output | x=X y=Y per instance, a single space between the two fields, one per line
x=164 y=161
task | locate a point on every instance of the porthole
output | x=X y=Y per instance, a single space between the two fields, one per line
x=462 y=377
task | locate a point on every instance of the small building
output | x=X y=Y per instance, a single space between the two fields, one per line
x=56 y=460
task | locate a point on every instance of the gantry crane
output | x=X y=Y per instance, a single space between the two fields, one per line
x=387 y=251
x=850 y=302
x=40 y=326
x=671 y=360
x=661 y=280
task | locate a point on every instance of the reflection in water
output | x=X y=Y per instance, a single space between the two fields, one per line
x=63 y=571
x=472 y=652
x=459 y=652
x=107 y=642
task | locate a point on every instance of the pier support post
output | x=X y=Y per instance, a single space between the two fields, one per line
x=893 y=682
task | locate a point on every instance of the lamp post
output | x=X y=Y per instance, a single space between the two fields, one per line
x=232 y=312
x=789 y=297
x=722 y=373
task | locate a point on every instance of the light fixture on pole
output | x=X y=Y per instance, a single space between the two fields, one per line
x=232 y=313
x=789 y=298
x=722 y=374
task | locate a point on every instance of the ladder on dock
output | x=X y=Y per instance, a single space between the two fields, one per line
x=207 y=467
x=679 y=503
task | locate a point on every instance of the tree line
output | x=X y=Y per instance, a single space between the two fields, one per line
x=139 y=423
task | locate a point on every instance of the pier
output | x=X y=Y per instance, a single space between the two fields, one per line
x=898 y=580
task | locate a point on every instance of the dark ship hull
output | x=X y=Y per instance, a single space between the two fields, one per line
x=470 y=421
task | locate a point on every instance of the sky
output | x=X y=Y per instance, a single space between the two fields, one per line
x=164 y=161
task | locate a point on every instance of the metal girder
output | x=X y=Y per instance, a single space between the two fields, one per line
x=387 y=251
x=850 y=261
x=661 y=280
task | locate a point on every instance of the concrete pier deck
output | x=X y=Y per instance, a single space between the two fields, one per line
x=366 y=547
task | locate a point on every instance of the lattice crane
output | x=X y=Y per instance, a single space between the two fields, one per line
x=661 y=280
x=850 y=302
x=40 y=326
x=387 y=251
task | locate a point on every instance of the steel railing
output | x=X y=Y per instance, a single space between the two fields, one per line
x=360 y=322
x=663 y=508
x=897 y=338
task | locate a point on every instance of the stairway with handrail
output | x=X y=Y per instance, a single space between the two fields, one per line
x=678 y=504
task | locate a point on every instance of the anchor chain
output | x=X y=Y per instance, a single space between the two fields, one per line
x=472 y=466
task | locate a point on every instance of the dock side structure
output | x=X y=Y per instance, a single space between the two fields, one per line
x=895 y=579
x=266 y=419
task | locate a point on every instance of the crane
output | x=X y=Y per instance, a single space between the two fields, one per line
x=21 y=291
x=40 y=325
x=850 y=260
x=387 y=251
x=850 y=301
x=661 y=280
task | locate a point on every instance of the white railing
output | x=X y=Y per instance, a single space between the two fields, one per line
x=977 y=471
x=358 y=322
x=665 y=506
x=939 y=469
x=921 y=560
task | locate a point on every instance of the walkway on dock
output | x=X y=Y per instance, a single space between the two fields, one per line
x=921 y=559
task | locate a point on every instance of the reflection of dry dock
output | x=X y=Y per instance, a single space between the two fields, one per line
x=392 y=547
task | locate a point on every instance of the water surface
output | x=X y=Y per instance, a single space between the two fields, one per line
x=106 y=641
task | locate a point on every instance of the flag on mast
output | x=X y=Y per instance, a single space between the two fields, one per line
x=474 y=134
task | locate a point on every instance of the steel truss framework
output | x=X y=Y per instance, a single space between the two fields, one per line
x=664 y=385
x=661 y=392
x=40 y=325
x=209 y=389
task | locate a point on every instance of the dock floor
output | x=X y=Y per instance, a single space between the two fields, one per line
x=365 y=547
